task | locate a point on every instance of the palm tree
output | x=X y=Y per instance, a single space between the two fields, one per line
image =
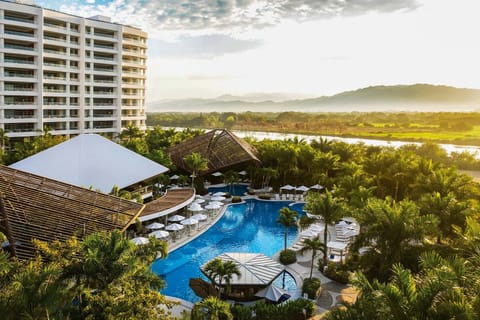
x=219 y=270
x=327 y=207
x=288 y=218
x=196 y=162
x=392 y=229
x=315 y=245
x=211 y=308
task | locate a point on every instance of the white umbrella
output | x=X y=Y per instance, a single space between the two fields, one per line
x=199 y=197
x=212 y=206
x=242 y=173
x=174 y=177
x=155 y=226
x=199 y=217
x=287 y=187
x=219 y=194
x=313 y=216
x=303 y=188
x=159 y=234
x=174 y=227
x=199 y=200
x=195 y=207
x=176 y=218
x=316 y=187
x=273 y=293
x=218 y=198
x=215 y=203
x=217 y=174
x=140 y=240
x=189 y=222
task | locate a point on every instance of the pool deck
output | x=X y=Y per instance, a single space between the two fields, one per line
x=332 y=292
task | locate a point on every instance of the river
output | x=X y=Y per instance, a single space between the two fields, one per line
x=259 y=135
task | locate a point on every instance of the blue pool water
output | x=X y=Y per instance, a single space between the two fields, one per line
x=237 y=189
x=245 y=227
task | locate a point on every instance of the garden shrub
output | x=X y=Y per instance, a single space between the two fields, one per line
x=264 y=196
x=312 y=287
x=338 y=272
x=240 y=312
x=288 y=257
x=236 y=199
x=291 y=310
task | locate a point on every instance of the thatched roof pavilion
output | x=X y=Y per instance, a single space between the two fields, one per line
x=220 y=146
x=32 y=207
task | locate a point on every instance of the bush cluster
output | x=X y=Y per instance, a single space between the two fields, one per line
x=312 y=287
x=291 y=310
x=338 y=272
x=264 y=196
x=236 y=199
x=288 y=257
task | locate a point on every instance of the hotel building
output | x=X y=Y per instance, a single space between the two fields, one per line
x=71 y=74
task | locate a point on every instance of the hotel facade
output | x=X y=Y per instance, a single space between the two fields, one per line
x=70 y=74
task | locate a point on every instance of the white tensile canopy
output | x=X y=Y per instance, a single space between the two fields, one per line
x=91 y=160
x=217 y=198
x=273 y=293
x=195 y=206
x=316 y=187
x=217 y=174
x=287 y=187
x=255 y=268
x=242 y=173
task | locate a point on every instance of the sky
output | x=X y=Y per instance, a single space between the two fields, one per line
x=207 y=48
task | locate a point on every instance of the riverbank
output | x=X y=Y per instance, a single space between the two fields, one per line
x=459 y=128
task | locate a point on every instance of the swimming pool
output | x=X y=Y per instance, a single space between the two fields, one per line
x=245 y=227
x=237 y=189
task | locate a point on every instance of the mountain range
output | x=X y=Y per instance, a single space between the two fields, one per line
x=417 y=97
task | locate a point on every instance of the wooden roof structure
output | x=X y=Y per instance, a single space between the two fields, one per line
x=32 y=206
x=173 y=200
x=220 y=146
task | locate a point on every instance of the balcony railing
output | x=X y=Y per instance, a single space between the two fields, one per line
x=103 y=58
x=19 y=19
x=54 y=78
x=49 y=103
x=19 y=33
x=9 y=88
x=18 y=116
x=53 y=25
x=55 y=51
x=104 y=46
x=105 y=35
x=18 y=75
x=104 y=69
x=18 y=47
x=58 y=65
x=20 y=61
x=54 y=38
x=55 y=90
x=18 y=103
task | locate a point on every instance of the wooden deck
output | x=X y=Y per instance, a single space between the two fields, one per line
x=172 y=199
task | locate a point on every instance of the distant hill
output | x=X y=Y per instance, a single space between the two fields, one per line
x=417 y=97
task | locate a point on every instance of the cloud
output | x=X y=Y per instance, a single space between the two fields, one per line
x=228 y=15
x=204 y=46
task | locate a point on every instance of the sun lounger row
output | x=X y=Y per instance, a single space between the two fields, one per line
x=290 y=197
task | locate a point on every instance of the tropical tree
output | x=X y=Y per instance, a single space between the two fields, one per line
x=327 y=207
x=437 y=292
x=287 y=218
x=391 y=230
x=448 y=211
x=197 y=163
x=211 y=308
x=314 y=245
x=218 y=270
